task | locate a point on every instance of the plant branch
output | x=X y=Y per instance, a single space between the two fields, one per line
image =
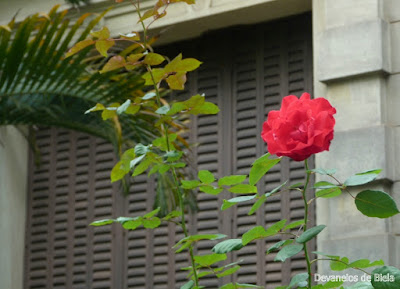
x=304 y=193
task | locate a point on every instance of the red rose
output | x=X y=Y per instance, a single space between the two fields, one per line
x=301 y=128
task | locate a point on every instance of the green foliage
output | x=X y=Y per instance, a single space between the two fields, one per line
x=260 y=167
x=208 y=260
x=189 y=240
x=288 y=251
x=310 y=233
x=149 y=220
x=278 y=245
x=259 y=232
x=39 y=86
x=299 y=280
x=386 y=277
x=227 y=246
x=238 y=286
x=376 y=204
x=362 y=178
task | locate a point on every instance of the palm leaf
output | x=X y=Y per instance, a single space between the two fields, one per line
x=38 y=85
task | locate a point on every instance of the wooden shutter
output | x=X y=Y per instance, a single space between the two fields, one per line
x=246 y=71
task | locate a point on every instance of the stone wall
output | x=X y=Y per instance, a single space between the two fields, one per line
x=356 y=66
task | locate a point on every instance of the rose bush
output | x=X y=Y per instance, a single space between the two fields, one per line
x=301 y=128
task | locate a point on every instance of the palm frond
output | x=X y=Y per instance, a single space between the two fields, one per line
x=38 y=85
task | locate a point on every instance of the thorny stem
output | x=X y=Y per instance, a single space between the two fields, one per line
x=305 y=223
x=175 y=177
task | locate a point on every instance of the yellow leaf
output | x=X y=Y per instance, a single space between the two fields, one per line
x=132 y=58
x=79 y=46
x=103 y=33
x=154 y=59
x=177 y=81
x=115 y=62
x=102 y=46
x=110 y=111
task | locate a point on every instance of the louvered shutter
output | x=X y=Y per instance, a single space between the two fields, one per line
x=246 y=71
x=68 y=191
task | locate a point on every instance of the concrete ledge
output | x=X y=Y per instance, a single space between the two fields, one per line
x=357 y=49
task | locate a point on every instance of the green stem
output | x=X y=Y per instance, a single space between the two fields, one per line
x=175 y=177
x=304 y=193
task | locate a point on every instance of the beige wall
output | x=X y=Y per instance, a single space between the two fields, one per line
x=13 y=188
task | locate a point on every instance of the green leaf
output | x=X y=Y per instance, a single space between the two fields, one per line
x=229 y=271
x=386 y=277
x=206 y=177
x=152 y=213
x=142 y=167
x=135 y=161
x=278 y=245
x=163 y=110
x=188 y=285
x=208 y=260
x=339 y=265
x=365 y=263
x=190 y=185
x=98 y=107
x=376 y=204
x=243 y=189
x=294 y=225
x=362 y=178
x=151 y=223
x=324 y=185
x=310 y=233
x=298 y=279
x=253 y=234
x=149 y=95
x=257 y=205
x=276 y=189
x=228 y=246
x=187 y=241
x=328 y=193
x=124 y=106
x=176 y=108
x=231 y=180
x=173 y=214
x=324 y=171
x=260 y=167
x=120 y=169
x=229 y=203
x=259 y=232
x=133 y=224
x=153 y=59
x=359 y=285
x=205 y=108
x=210 y=190
x=102 y=222
x=288 y=251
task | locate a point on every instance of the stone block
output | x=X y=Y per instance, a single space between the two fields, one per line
x=357 y=101
x=345 y=12
x=391 y=10
x=356 y=49
x=356 y=151
x=395 y=46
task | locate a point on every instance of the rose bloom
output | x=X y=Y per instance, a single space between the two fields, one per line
x=301 y=128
